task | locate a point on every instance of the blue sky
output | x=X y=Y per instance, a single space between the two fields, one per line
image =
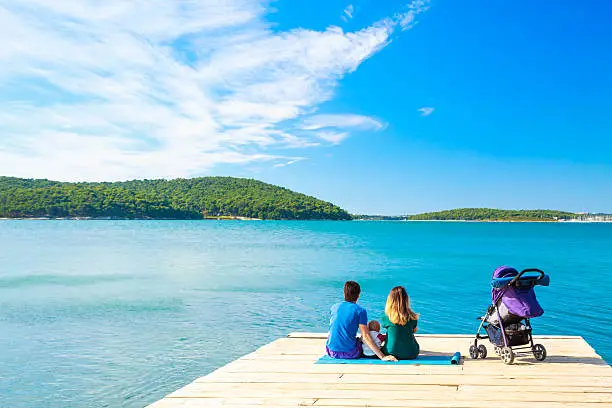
x=395 y=108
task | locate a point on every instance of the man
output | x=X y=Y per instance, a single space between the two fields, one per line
x=346 y=318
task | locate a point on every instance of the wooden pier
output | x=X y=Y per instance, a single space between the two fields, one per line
x=283 y=374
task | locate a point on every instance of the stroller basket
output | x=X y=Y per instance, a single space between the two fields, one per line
x=517 y=337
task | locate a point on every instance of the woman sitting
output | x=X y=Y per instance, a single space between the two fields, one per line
x=401 y=324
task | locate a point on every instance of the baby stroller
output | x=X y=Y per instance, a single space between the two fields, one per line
x=507 y=322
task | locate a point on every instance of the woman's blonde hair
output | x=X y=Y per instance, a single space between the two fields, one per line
x=398 y=307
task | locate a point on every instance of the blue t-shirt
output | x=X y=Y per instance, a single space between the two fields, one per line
x=344 y=324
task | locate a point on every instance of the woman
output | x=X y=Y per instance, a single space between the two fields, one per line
x=401 y=324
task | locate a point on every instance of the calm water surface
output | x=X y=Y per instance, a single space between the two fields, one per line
x=118 y=314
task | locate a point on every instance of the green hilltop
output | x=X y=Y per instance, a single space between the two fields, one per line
x=477 y=214
x=196 y=198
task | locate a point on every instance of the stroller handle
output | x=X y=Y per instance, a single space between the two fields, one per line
x=517 y=277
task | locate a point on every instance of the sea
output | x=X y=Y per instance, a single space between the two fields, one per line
x=121 y=313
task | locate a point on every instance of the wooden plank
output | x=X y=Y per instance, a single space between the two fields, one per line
x=430 y=392
x=501 y=403
x=232 y=387
x=418 y=393
x=493 y=380
x=494 y=368
x=410 y=379
x=349 y=403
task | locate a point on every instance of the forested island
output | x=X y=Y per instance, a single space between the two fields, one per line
x=493 y=214
x=186 y=199
x=481 y=214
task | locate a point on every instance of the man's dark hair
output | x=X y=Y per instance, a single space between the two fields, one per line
x=351 y=291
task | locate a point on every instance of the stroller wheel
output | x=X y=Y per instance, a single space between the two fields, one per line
x=497 y=350
x=507 y=355
x=482 y=351
x=473 y=351
x=539 y=352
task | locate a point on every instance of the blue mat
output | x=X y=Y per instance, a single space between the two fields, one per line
x=422 y=360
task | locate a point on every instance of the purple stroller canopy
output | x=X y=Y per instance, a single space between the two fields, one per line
x=504 y=272
x=520 y=301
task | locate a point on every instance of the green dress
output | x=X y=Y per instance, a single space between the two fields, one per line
x=400 y=339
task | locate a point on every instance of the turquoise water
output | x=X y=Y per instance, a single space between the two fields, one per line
x=112 y=314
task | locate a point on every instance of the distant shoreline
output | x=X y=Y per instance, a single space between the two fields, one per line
x=128 y=219
x=259 y=219
x=497 y=221
x=493 y=215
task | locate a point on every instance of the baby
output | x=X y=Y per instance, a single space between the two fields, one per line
x=374 y=328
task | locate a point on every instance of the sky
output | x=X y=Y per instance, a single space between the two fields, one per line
x=389 y=107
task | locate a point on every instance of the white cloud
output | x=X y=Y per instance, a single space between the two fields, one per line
x=332 y=137
x=426 y=110
x=289 y=163
x=348 y=12
x=342 y=121
x=407 y=19
x=112 y=90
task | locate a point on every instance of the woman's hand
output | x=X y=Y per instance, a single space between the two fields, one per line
x=416 y=329
x=389 y=358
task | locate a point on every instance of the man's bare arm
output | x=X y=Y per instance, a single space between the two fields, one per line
x=367 y=339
